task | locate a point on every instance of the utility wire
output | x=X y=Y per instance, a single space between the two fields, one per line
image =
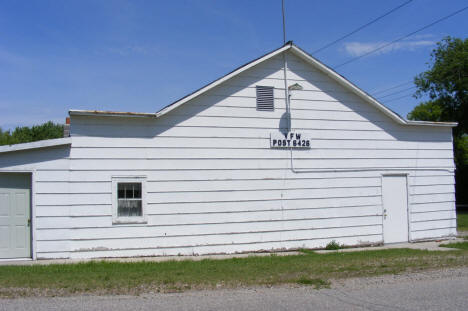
x=391 y=100
x=391 y=88
x=397 y=92
x=401 y=38
x=361 y=27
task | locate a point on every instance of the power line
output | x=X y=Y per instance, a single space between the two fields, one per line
x=361 y=27
x=391 y=100
x=397 y=92
x=401 y=38
x=391 y=88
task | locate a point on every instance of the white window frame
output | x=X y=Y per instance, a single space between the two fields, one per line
x=128 y=219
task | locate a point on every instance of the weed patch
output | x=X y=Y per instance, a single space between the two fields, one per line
x=317 y=283
x=333 y=245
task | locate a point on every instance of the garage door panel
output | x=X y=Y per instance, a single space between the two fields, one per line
x=4 y=237
x=20 y=204
x=20 y=235
x=4 y=204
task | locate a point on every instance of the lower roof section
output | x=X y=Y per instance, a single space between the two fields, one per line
x=37 y=144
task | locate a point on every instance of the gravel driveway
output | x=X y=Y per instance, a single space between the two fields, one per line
x=429 y=290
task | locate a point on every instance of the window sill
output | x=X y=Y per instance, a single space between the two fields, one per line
x=129 y=221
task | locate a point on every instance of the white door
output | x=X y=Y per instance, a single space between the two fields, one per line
x=15 y=232
x=395 y=208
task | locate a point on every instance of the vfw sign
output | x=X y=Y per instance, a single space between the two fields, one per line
x=295 y=140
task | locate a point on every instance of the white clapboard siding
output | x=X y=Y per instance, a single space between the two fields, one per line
x=314 y=132
x=213 y=207
x=73 y=211
x=212 y=229
x=264 y=153
x=283 y=173
x=209 y=196
x=225 y=248
x=229 y=163
x=231 y=238
x=432 y=207
x=183 y=143
x=209 y=185
x=214 y=101
x=434 y=197
x=433 y=233
x=55 y=158
x=54 y=255
x=434 y=224
x=433 y=215
x=182 y=230
x=432 y=180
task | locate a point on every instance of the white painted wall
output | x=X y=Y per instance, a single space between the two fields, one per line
x=214 y=185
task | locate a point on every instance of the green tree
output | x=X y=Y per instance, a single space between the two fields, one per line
x=25 y=134
x=446 y=85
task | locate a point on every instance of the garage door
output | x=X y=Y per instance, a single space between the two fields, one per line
x=15 y=202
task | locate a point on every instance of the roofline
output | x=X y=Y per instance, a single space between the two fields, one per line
x=228 y=76
x=37 y=144
x=297 y=51
x=356 y=90
x=110 y=113
x=316 y=63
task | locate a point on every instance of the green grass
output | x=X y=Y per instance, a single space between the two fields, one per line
x=459 y=245
x=105 y=277
x=462 y=221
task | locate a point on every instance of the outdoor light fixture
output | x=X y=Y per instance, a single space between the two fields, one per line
x=295 y=87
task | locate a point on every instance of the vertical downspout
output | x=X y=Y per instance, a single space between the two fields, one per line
x=286 y=91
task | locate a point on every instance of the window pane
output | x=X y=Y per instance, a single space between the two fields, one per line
x=121 y=194
x=129 y=207
x=129 y=191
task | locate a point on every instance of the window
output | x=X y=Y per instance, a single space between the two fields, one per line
x=128 y=199
x=265 y=99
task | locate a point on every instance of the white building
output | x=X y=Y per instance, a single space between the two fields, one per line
x=210 y=172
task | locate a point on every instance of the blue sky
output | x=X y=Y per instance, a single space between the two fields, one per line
x=142 y=55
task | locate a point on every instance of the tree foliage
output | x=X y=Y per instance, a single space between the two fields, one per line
x=429 y=111
x=446 y=85
x=25 y=134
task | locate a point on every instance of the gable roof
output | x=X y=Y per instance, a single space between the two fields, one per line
x=289 y=46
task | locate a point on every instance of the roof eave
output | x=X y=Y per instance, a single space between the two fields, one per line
x=36 y=144
x=111 y=113
x=356 y=90
x=430 y=123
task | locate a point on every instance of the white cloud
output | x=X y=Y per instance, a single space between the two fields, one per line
x=360 y=48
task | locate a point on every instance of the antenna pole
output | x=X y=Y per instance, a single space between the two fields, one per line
x=284 y=24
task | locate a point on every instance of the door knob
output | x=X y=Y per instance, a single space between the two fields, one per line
x=29 y=222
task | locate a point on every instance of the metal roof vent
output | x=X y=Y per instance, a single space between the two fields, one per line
x=265 y=100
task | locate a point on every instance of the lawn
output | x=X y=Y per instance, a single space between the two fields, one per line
x=309 y=268
x=459 y=245
x=462 y=221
